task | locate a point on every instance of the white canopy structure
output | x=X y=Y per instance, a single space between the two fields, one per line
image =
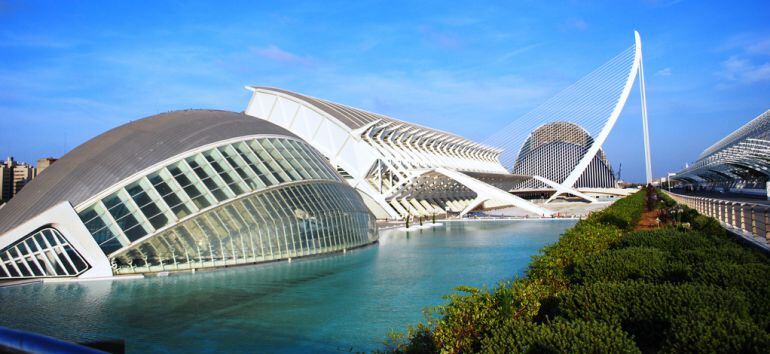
x=585 y=112
x=400 y=168
x=404 y=169
x=739 y=161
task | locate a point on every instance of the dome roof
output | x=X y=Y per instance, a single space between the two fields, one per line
x=123 y=151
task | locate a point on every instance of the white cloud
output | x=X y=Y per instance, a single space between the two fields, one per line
x=664 y=72
x=742 y=70
x=760 y=47
x=277 y=54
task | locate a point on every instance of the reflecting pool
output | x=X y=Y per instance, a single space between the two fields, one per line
x=342 y=302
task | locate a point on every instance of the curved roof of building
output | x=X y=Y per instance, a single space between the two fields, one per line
x=758 y=126
x=355 y=118
x=123 y=151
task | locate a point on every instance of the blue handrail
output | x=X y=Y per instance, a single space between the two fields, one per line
x=36 y=343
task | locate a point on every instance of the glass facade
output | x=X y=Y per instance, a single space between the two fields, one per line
x=44 y=253
x=192 y=212
x=293 y=221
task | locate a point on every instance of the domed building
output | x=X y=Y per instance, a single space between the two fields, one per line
x=180 y=191
x=554 y=150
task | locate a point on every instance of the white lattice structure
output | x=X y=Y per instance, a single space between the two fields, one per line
x=576 y=122
x=400 y=168
x=566 y=143
x=741 y=160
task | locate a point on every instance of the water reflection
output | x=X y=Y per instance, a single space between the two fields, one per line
x=326 y=304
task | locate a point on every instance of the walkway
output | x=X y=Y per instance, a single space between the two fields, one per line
x=750 y=220
x=729 y=196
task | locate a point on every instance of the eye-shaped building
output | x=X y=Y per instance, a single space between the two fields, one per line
x=176 y=191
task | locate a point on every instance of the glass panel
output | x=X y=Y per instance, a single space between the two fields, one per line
x=189 y=183
x=225 y=172
x=269 y=162
x=254 y=162
x=124 y=217
x=148 y=207
x=169 y=195
x=209 y=178
x=44 y=253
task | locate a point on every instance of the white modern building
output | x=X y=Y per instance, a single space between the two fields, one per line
x=404 y=169
x=553 y=150
x=560 y=142
x=180 y=191
x=740 y=162
x=399 y=168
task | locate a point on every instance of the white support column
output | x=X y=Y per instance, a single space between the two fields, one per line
x=645 y=128
x=560 y=189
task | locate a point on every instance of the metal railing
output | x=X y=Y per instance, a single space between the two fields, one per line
x=749 y=220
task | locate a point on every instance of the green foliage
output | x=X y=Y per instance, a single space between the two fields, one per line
x=587 y=238
x=418 y=339
x=667 y=239
x=707 y=225
x=606 y=288
x=715 y=332
x=752 y=279
x=559 y=337
x=642 y=263
x=646 y=310
x=472 y=314
x=579 y=243
x=623 y=214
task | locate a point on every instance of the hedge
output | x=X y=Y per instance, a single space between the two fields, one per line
x=559 y=337
x=634 y=263
x=606 y=288
x=647 y=310
x=714 y=332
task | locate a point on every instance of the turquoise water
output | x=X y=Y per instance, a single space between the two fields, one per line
x=338 y=303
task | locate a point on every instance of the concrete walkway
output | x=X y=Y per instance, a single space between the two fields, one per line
x=731 y=197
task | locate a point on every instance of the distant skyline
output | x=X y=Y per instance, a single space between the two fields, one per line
x=71 y=71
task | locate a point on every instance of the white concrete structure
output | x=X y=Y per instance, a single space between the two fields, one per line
x=740 y=162
x=564 y=136
x=400 y=168
x=180 y=191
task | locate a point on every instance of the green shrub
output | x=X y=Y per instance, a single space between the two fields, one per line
x=707 y=225
x=623 y=214
x=633 y=263
x=714 y=332
x=668 y=240
x=585 y=239
x=752 y=279
x=418 y=339
x=693 y=247
x=559 y=337
x=471 y=314
x=725 y=253
x=646 y=310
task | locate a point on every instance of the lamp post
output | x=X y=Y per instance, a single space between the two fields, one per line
x=668 y=180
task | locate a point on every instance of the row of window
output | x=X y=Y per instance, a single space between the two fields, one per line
x=198 y=182
x=44 y=253
x=292 y=221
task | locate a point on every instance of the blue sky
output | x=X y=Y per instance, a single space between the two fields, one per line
x=69 y=71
